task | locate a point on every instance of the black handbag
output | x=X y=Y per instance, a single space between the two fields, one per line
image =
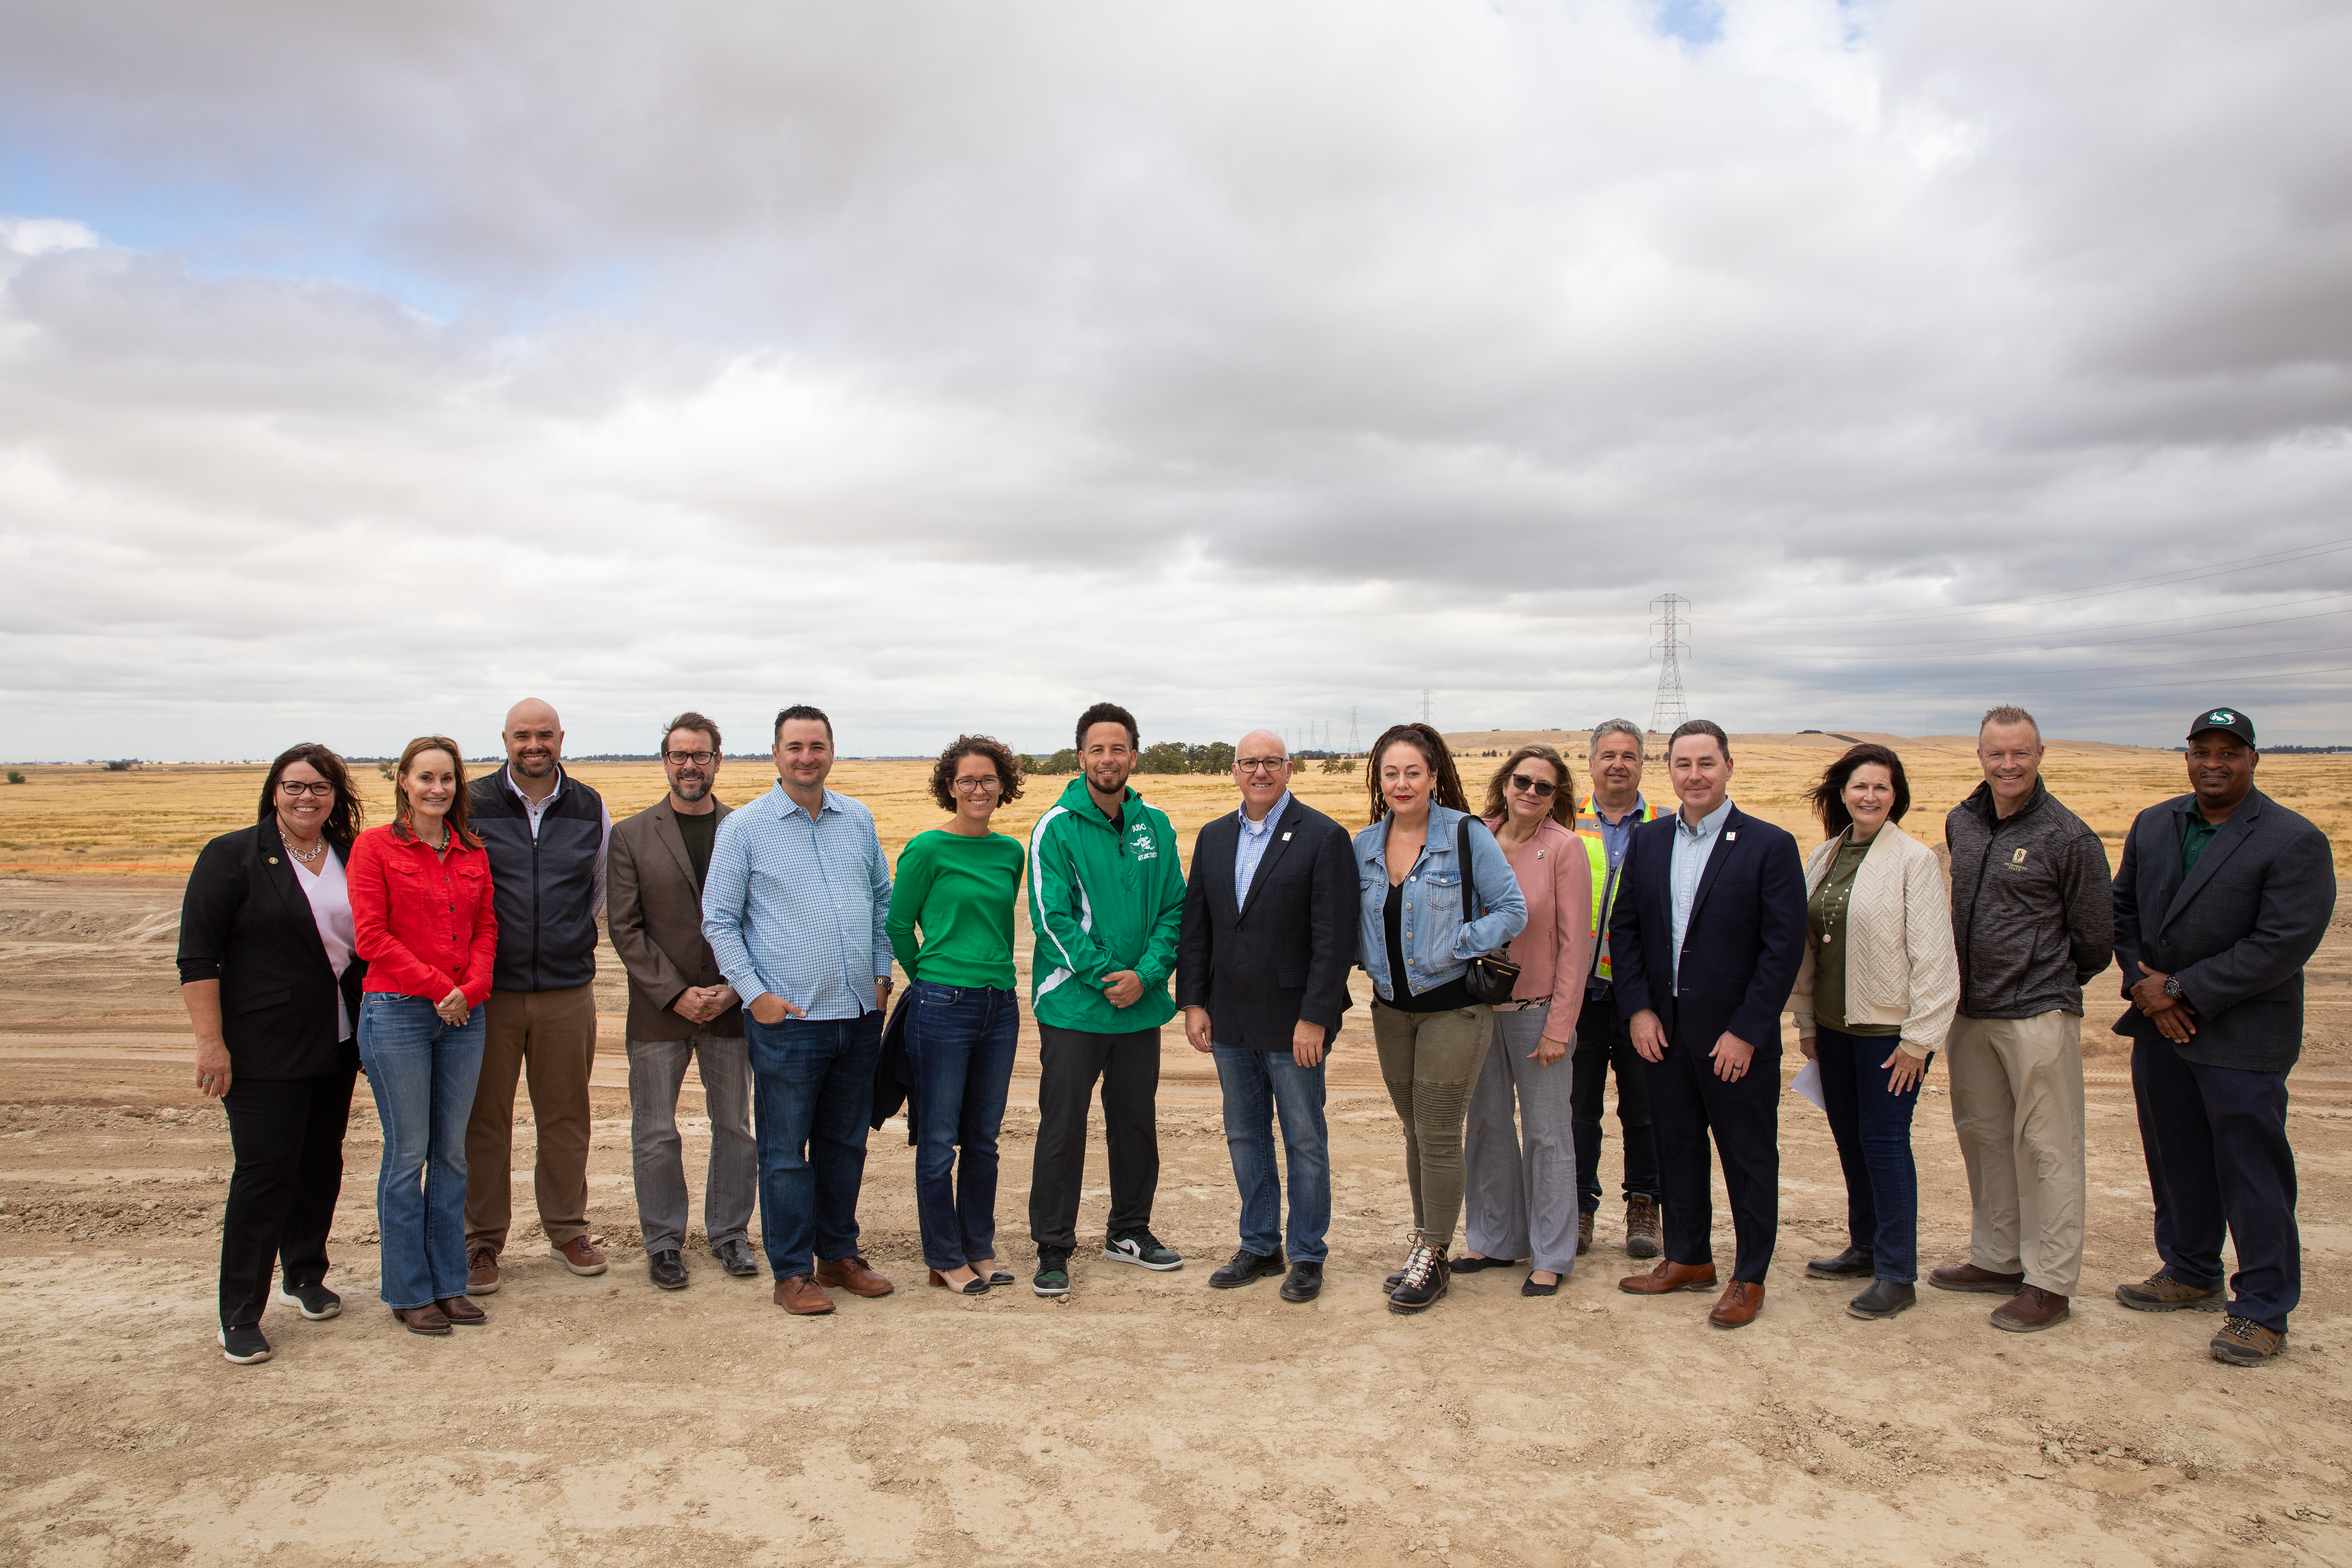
x=1490 y=979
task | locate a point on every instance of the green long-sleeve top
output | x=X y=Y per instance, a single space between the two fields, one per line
x=957 y=892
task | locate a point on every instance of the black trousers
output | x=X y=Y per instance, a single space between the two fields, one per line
x=1070 y=1060
x=1602 y=1042
x=288 y=1134
x=2217 y=1161
x=1687 y=1103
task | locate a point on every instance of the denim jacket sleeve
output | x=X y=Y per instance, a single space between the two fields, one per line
x=1498 y=894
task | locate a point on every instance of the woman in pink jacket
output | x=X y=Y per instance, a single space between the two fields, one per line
x=1521 y=1179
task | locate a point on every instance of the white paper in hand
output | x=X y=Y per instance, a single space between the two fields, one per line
x=1808 y=1082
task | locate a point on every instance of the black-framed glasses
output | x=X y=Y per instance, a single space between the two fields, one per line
x=324 y=790
x=986 y=784
x=1260 y=764
x=1542 y=788
x=700 y=758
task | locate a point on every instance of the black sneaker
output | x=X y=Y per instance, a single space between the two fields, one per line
x=245 y=1345
x=1053 y=1275
x=1141 y=1246
x=1422 y=1279
x=1245 y=1266
x=317 y=1302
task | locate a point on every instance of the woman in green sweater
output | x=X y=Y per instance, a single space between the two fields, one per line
x=950 y=925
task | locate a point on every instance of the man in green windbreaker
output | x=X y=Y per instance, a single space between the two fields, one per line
x=1106 y=902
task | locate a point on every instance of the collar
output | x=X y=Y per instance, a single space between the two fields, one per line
x=507 y=773
x=1639 y=812
x=786 y=805
x=1708 y=826
x=1273 y=814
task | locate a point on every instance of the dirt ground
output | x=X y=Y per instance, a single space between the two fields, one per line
x=1146 y=1417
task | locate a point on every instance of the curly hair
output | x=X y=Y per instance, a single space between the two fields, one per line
x=455 y=818
x=345 y=818
x=1432 y=747
x=1007 y=761
x=1829 y=795
x=1563 y=795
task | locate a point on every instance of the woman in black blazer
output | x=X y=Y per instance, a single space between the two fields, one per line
x=272 y=987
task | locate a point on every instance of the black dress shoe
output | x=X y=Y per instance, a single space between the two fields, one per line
x=1884 y=1299
x=666 y=1270
x=1473 y=1265
x=1306 y=1282
x=1853 y=1263
x=734 y=1255
x=1245 y=1267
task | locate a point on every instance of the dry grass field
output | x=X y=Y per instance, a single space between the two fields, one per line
x=1146 y=1418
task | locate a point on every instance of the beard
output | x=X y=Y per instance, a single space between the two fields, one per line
x=690 y=788
x=535 y=767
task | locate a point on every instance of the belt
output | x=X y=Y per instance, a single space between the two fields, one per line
x=1516 y=1006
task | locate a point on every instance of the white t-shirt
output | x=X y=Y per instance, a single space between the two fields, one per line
x=329 y=892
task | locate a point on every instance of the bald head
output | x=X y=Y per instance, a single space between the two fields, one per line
x=1261 y=744
x=1262 y=768
x=534 y=738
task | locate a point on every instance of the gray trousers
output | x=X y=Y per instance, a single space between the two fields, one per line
x=656 y=1068
x=1520 y=1171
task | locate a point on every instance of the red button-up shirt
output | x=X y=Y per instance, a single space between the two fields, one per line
x=424 y=922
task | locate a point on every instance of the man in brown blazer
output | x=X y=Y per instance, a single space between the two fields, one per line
x=680 y=1007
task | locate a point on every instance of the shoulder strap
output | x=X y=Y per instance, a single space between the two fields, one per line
x=1469 y=877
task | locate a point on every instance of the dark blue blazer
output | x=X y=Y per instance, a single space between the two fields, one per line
x=1263 y=968
x=2236 y=932
x=1744 y=944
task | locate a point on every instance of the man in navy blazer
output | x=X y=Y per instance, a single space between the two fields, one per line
x=2222 y=899
x=1269 y=932
x=1706 y=936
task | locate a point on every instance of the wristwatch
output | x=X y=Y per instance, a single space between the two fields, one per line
x=2172 y=989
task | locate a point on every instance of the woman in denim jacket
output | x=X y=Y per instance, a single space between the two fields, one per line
x=1416 y=941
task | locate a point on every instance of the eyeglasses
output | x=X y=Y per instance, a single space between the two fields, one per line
x=1260 y=764
x=987 y=784
x=293 y=786
x=1542 y=788
x=700 y=758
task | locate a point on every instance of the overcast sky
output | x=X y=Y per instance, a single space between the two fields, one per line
x=953 y=365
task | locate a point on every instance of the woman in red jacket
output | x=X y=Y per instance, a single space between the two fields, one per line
x=420 y=893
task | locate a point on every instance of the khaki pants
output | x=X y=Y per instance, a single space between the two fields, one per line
x=1429 y=1061
x=549 y=1037
x=2017 y=1105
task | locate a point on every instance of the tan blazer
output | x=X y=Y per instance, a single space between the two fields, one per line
x=653 y=911
x=1900 y=968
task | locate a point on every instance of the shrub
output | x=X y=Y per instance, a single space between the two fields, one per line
x=15 y=775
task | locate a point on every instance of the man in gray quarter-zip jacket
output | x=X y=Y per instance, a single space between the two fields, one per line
x=2033 y=919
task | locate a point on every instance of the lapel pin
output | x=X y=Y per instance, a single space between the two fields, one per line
x=273 y=860
x=1285 y=839
x=1729 y=837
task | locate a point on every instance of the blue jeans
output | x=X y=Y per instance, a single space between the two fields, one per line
x=1873 y=1129
x=812 y=1092
x=422 y=1072
x=960 y=1044
x=1258 y=1084
x=2219 y=1162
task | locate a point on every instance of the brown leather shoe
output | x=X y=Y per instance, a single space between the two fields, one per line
x=1642 y=1227
x=798 y=1294
x=2163 y=1293
x=1668 y=1276
x=421 y=1320
x=462 y=1313
x=2031 y=1311
x=1584 y=1233
x=851 y=1274
x=1742 y=1300
x=1969 y=1276
x=481 y=1271
x=580 y=1255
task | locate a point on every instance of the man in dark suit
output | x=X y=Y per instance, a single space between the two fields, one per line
x=1262 y=965
x=2222 y=898
x=680 y=1007
x=1707 y=936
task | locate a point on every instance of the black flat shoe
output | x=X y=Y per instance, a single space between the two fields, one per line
x=1245 y=1266
x=1528 y=1286
x=1853 y=1263
x=1885 y=1299
x=1474 y=1265
x=1306 y=1282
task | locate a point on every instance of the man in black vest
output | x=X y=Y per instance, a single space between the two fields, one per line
x=546 y=835
x=1262 y=965
x=2222 y=898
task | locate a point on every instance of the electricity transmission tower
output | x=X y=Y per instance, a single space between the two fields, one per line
x=1671 y=619
x=1353 y=744
x=1424 y=705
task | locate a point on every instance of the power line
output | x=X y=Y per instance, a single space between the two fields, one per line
x=1839 y=650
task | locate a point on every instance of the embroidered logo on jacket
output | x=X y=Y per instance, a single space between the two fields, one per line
x=1144 y=846
x=2018 y=859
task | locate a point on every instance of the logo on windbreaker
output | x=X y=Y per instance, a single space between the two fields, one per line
x=1144 y=846
x=2017 y=858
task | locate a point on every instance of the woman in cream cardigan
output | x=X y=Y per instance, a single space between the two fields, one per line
x=1874 y=1000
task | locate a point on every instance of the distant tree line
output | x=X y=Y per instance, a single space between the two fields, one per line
x=1180 y=757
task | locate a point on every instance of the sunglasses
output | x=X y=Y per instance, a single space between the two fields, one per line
x=1542 y=788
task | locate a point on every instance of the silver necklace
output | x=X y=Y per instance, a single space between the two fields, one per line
x=308 y=857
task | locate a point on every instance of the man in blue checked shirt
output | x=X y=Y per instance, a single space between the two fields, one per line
x=794 y=909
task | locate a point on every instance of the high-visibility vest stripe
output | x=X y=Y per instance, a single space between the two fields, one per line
x=1604 y=881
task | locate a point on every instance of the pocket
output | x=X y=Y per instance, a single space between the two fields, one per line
x=1441 y=890
x=930 y=993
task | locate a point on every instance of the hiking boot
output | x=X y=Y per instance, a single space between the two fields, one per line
x=1422 y=1279
x=2160 y=1292
x=1584 y=1232
x=2245 y=1342
x=1642 y=1227
x=1142 y=1246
